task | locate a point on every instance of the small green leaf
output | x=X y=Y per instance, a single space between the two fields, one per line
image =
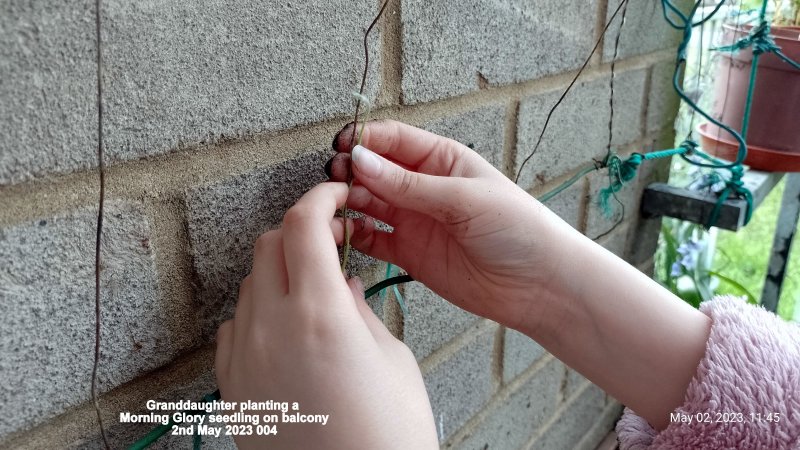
x=735 y=285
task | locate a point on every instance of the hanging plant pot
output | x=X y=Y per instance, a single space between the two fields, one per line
x=773 y=136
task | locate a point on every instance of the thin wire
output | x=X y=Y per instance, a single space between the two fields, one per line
x=566 y=91
x=346 y=249
x=366 y=69
x=546 y=197
x=612 y=77
x=98 y=241
x=616 y=224
x=786 y=59
x=611 y=112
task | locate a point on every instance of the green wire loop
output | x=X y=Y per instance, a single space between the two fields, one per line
x=622 y=171
x=759 y=38
x=762 y=42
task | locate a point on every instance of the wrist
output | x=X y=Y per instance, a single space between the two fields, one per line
x=553 y=297
x=620 y=329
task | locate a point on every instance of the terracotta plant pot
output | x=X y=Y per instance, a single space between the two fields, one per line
x=773 y=129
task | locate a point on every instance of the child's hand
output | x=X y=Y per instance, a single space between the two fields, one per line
x=301 y=333
x=460 y=226
x=478 y=240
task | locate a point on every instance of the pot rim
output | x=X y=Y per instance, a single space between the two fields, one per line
x=786 y=34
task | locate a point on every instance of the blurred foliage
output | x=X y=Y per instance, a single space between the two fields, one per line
x=684 y=265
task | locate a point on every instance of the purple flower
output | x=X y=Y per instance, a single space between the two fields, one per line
x=676 y=269
x=690 y=253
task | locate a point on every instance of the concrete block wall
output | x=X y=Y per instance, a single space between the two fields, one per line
x=218 y=116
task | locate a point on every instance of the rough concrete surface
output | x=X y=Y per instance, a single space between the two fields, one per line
x=180 y=73
x=642 y=240
x=459 y=386
x=175 y=74
x=47 y=300
x=480 y=129
x=645 y=29
x=519 y=352
x=574 y=421
x=514 y=421
x=567 y=204
x=431 y=320
x=449 y=51
x=573 y=381
x=48 y=117
x=578 y=129
x=663 y=101
x=225 y=219
x=594 y=437
x=615 y=241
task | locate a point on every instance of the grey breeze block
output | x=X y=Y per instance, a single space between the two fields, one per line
x=48 y=118
x=47 y=300
x=578 y=129
x=431 y=321
x=576 y=421
x=448 y=51
x=645 y=29
x=519 y=352
x=226 y=217
x=511 y=423
x=175 y=74
x=461 y=385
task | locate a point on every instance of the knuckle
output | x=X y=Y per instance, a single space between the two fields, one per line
x=263 y=243
x=392 y=128
x=244 y=288
x=401 y=349
x=296 y=215
x=381 y=135
x=224 y=331
x=406 y=182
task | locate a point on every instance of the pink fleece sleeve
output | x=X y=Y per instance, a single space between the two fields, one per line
x=751 y=366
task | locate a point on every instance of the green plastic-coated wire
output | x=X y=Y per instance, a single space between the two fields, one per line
x=622 y=171
x=156 y=433
x=763 y=44
x=734 y=184
x=397 y=295
x=387 y=283
x=561 y=187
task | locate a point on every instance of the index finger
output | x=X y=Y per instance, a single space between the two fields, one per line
x=312 y=261
x=410 y=146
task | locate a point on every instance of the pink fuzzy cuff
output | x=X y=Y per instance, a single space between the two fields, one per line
x=746 y=392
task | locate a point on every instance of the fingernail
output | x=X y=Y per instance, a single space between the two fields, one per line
x=328 y=166
x=368 y=163
x=336 y=138
x=334 y=144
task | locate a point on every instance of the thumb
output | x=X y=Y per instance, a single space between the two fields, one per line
x=435 y=196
